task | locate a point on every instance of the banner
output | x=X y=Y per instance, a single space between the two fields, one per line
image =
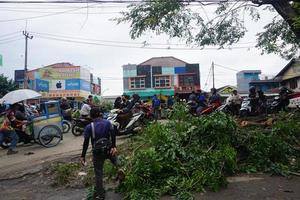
x=1 y=60
x=62 y=73
x=42 y=85
x=73 y=84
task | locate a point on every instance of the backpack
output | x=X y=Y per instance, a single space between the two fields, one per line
x=102 y=146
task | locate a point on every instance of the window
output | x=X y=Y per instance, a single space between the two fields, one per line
x=293 y=84
x=137 y=83
x=186 y=80
x=162 y=81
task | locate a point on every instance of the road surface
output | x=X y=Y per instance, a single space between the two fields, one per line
x=16 y=165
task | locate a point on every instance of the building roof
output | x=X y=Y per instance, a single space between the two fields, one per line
x=250 y=71
x=56 y=65
x=281 y=73
x=60 y=65
x=265 y=81
x=169 y=61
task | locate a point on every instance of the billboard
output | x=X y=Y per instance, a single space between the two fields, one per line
x=85 y=85
x=41 y=85
x=61 y=73
x=57 y=85
x=73 y=84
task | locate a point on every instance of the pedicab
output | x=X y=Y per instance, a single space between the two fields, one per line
x=46 y=127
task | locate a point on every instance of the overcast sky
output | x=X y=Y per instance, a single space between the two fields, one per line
x=106 y=61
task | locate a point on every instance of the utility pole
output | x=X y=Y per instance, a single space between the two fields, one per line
x=213 y=73
x=26 y=34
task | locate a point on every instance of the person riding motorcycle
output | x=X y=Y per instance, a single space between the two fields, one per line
x=252 y=96
x=125 y=114
x=85 y=109
x=65 y=109
x=201 y=101
x=262 y=101
x=283 y=97
x=234 y=102
x=215 y=98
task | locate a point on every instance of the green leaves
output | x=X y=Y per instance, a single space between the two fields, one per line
x=181 y=157
x=179 y=20
x=6 y=85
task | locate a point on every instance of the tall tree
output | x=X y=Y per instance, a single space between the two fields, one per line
x=177 y=18
x=6 y=85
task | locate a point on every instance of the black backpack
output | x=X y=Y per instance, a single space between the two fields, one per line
x=102 y=146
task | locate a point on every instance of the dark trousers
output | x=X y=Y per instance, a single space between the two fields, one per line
x=98 y=161
x=23 y=137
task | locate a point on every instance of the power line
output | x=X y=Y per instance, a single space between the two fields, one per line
x=107 y=1
x=47 y=15
x=226 y=67
x=128 y=46
x=144 y=43
x=10 y=38
x=80 y=13
x=10 y=34
x=10 y=41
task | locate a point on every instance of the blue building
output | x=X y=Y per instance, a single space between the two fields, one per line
x=245 y=77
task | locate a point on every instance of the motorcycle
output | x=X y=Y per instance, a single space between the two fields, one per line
x=79 y=125
x=192 y=107
x=134 y=125
x=252 y=109
x=210 y=108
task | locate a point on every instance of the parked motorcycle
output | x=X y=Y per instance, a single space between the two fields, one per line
x=79 y=125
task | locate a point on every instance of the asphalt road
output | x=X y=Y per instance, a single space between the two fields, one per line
x=23 y=162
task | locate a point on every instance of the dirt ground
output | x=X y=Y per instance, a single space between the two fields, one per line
x=242 y=187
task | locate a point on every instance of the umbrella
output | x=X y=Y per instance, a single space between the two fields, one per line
x=19 y=95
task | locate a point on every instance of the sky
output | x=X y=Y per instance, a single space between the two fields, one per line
x=110 y=45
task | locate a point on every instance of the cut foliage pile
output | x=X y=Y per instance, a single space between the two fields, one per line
x=191 y=154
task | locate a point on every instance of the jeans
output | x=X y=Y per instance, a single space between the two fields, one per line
x=12 y=135
x=156 y=113
x=98 y=161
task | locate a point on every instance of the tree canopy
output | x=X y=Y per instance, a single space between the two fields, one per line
x=178 y=19
x=6 y=85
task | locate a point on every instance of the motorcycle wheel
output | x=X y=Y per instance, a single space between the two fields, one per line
x=76 y=130
x=66 y=127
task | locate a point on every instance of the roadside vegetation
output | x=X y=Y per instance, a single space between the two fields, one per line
x=189 y=154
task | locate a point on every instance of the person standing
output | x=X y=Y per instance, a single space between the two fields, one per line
x=156 y=107
x=170 y=102
x=6 y=130
x=103 y=140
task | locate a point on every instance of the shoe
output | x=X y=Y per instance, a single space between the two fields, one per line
x=99 y=198
x=10 y=152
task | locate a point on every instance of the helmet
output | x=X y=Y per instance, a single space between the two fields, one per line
x=252 y=89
